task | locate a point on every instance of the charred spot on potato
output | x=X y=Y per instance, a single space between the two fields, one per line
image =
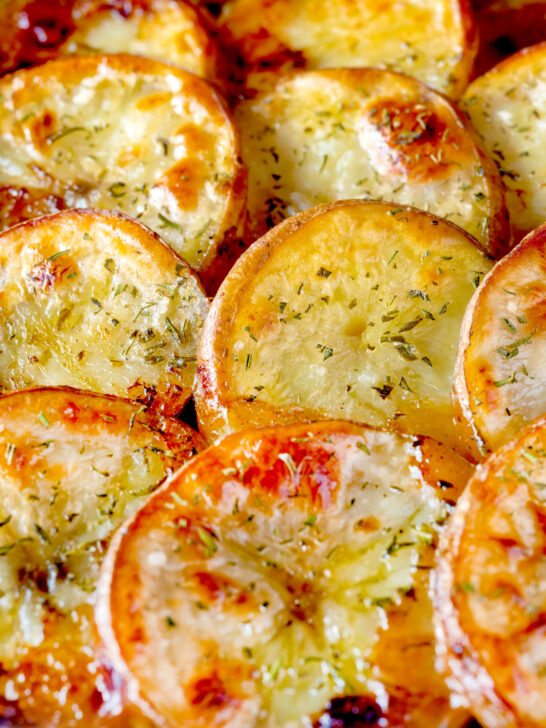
x=351 y=711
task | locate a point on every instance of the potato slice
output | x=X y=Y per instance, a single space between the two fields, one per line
x=433 y=40
x=507 y=26
x=500 y=382
x=350 y=310
x=491 y=587
x=73 y=466
x=280 y=578
x=34 y=31
x=505 y=106
x=329 y=135
x=95 y=300
x=123 y=133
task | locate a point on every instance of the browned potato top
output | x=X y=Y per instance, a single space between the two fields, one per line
x=280 y=581
x=123 y=133
x=95 y=300
x=433 y=40
x=34 y=31
x=320 y=136
x=350 y=310
x=73 y=465
x=491 y=587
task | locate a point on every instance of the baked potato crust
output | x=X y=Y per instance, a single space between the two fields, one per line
x=253 y=329
x=227 y=537
x=489 y=592
x=80 y=277
x=73 y=466
x=172 y=31
x=499 y=375
x=125 y=133
x=319 y=136
x=505 y=106
x=435 y=40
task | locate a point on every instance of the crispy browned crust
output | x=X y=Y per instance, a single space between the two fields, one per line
x=504 y=327
x=264 y=39
x=406 y=142
x=489 y=587
x=203 y=189
x=288 y=472
x=81 y=266
x=63 y=683
x=36 y=31
x=220 y=410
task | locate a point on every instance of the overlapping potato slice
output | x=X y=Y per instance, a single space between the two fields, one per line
x=350 y=310
x=95 y=300
x=34 y=31
x=433 y=40
x=506 y=106
x=73 y=465
x=280 y=580
x=124 y=133
x=338 y=134
x=507 y=26
x=500 y=382
x=491 y=587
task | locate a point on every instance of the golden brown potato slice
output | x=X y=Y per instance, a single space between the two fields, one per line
x=507 y=26
x=350 y=310
x=433 y=40
x=338 y=134
x=281 y=579
x=506 y=106
x=123 y=133
x=491 y=587
x=73 y=465
x=34 y=31
x=500 y=380
x=95 y=300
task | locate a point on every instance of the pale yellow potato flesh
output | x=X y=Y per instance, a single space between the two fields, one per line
x=73 y=466
x=124 y=133
x=281 y=579
x=367 y=133
x=95 y=300
x=350 y=310
x=432 y=40
x=490 y=587
x=507 y=106
x=34 y=31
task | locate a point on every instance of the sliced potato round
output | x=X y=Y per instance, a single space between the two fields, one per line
x=95 y=300
x=124 y=133
x=500 y=382
x=491 y=587
x=34 y=31
x=507 y=26
x=348 y=133
x=350 y=310
x=281 y=578
x=73 y=465
x=506 y=106
x=433 y=40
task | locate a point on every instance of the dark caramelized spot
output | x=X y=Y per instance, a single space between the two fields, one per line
x=408 y=140
x=350 y=710
x=210 y=692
